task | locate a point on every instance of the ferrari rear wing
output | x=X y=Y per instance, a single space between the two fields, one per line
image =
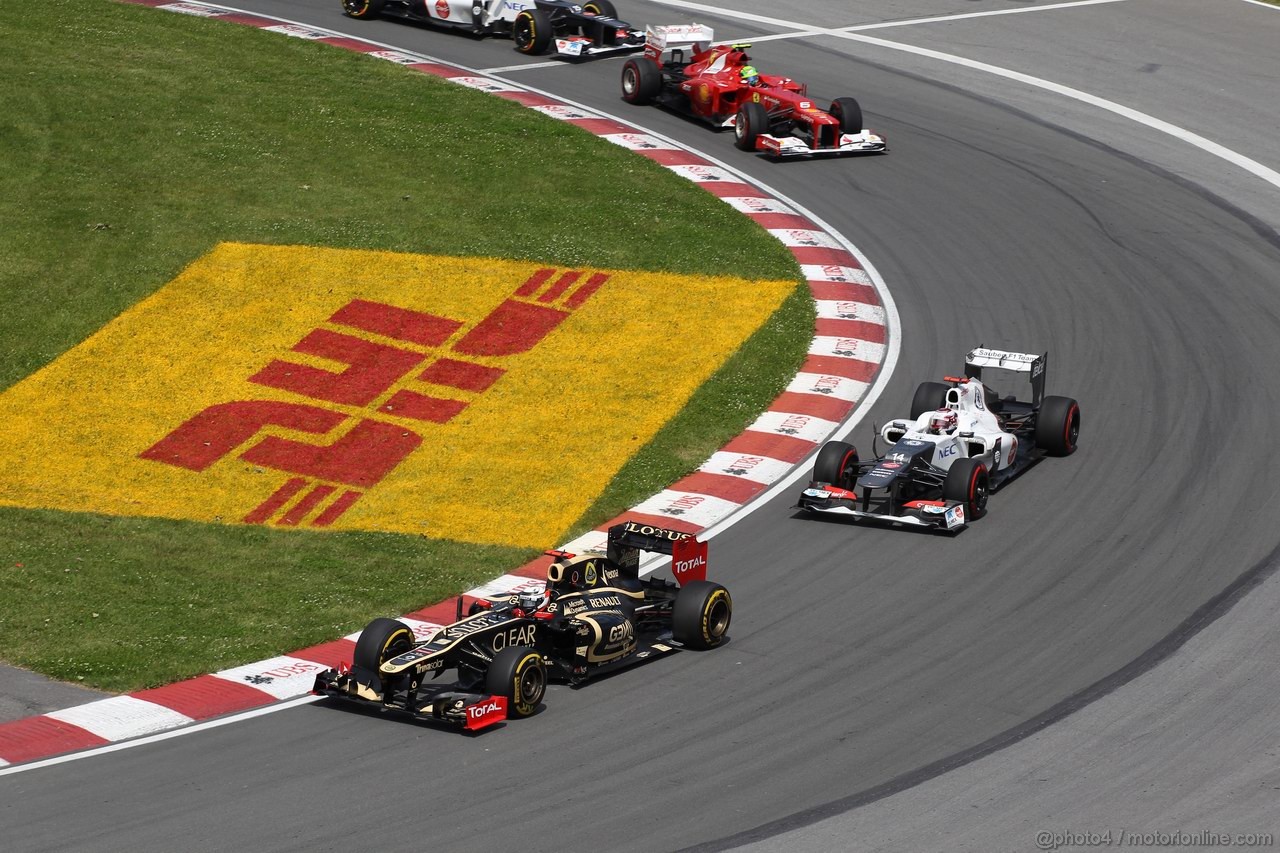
x=1019 y=362
x=629 y=538
x=658 y=39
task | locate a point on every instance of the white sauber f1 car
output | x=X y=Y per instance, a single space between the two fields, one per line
x=961 y=442
x=562 y=27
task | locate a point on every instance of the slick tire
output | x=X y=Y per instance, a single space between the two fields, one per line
x=602 y=8
x=362 y=8
x=836 y=464
x=752 y=121
x=641 y=81
x=380 y=641
x=849 y=112
x=1058 y=426
x=967 y=481
x=700 y=619
x=518 y=673
x=532 y=32
x=929 y=396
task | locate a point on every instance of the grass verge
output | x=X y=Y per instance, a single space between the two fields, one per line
x=132 y=141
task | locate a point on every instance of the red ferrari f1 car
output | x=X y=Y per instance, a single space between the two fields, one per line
x=717 y=85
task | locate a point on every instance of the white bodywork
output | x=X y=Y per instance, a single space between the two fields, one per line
x=977 y=434
x=454 y=11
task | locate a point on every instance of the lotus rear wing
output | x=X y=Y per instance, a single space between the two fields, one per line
x=1019 y=362
x=658 y=39
x=628 y=539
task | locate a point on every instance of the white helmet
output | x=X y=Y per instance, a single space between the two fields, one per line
x=942 y=421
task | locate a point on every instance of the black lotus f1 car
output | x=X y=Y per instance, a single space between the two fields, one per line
x=595 y=615
x=568 y=29
x=962 y=441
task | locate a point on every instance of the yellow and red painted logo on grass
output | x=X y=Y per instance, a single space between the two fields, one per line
x=472 y=399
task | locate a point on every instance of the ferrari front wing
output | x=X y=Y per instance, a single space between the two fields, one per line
x=865 y=142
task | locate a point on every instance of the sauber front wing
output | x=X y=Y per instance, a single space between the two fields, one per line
x=932 y=515
x=468 y=711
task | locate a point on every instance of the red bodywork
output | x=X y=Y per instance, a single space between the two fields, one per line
x=713 y=83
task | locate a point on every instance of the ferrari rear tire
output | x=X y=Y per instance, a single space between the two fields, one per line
x=752 y=121
x=968 y=481
x=380 y=641
x=929 y=396
x=518 y=673
x=532 y=32
x=603 y=8
x=702 y=614
x=641 y=81
x=1058 y=426
x=362 y=8
x=848 y=111
x=836 y=464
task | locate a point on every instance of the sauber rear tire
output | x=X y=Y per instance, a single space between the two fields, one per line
x=967 y=481
x=380 y=641
x=702 y=614
x=362 y=8
x=532 y=32
x=848 y=111
x=602 y=8
x=641 y=81
x=752 y=121
x=518 y=673
x=1058 y=426
x=836 y=464
x=929 y=396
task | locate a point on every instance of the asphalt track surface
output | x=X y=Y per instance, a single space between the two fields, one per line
x=1004 y=215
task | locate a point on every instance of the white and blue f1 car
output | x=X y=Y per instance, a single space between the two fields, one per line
x=961 y=442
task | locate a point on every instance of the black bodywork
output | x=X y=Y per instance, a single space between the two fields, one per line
x=611 y=619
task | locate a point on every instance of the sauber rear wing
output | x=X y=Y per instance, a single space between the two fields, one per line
x=688 y=555
x=658 y=39
x=1019 y=362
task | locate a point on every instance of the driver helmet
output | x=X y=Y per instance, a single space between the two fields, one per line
x=942 y=421
x=750 y=76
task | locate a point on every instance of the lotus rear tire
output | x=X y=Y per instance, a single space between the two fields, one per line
x=967 y=481
x=531 y=32
x=518 y=673
x=1058 y=426
x=929 y=396
x=700 y=619
x=836 y=464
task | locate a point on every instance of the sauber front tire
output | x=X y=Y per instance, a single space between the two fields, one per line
x=600 y=8
x=518 y=673
x=1058 y=426
x=700 y=619
x=641 y=81
x=531 y=32
x=752 y=121
x=362 y=8
x=968 y=481
x=836 y=464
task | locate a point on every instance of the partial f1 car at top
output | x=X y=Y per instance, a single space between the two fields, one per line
x=537 y=26
x=716 y=85
x=962 y=441
x=594 y=615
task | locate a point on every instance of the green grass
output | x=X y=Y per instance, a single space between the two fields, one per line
x=132 y=141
